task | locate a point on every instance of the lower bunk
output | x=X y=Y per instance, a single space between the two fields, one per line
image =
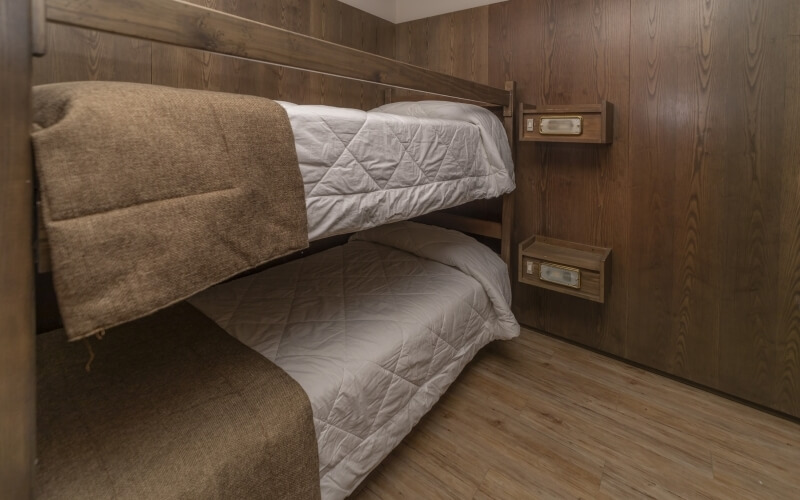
x=373 y=332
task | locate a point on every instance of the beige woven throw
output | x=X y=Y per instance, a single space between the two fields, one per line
x=173 y=407
x=151 y=194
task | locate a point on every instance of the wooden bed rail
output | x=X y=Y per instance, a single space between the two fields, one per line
x=187 y=25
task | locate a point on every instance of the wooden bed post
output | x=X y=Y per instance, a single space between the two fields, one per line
x=509 y=121
x=17 y=341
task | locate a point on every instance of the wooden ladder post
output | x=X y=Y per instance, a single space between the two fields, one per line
x=509 y=122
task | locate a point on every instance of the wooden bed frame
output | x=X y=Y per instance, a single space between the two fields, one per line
x=23 y=34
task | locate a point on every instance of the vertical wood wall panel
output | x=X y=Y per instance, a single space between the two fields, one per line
x=652 y=189
x=684 y=155
x=785 y=380
x=456 y=44
x=699 y=195
x=340 y=23
x=752 y=180
x=75 y=54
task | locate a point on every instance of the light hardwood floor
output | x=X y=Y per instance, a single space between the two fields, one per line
x=539 y=418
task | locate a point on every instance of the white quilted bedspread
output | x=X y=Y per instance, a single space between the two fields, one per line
x=374 y=331
x=364 y=169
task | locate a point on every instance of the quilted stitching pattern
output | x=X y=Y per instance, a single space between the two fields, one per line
x=410 y=155
x=368 y=331
x=363 y=169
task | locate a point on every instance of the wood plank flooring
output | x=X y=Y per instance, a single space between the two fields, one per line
x=539 y=418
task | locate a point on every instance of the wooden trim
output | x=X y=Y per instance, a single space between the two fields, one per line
x=481 y=227
x=402 y=95
x=567 y=108
x=179 y=23
x=509 y=123
x=17 y=356
x=507 y=225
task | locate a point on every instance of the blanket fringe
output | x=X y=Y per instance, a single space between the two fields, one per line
x=99 y=335
x=88 y=345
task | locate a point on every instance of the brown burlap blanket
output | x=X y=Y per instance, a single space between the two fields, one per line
x=173 y=407
x=151 y=194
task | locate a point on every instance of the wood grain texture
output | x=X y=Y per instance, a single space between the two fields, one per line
x=786 y=374
x=489 y=229
x=340 y=23
x=77 y=54
x=538 y=418
x=572 y=53
x=510 y=122
x=192 y=26
x=653 y=186
x=17 y=357
x=711 y=241
x=698 y=195
x=189 y=68
x=689 y=245
x=455 y=44
x=751 y=230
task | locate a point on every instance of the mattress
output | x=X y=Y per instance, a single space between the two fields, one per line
x=364 y=169
x=374 y=331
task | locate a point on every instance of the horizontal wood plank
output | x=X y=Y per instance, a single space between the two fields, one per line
x=487 y=228
x=187 y=25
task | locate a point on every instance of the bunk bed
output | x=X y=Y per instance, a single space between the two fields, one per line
x=401 y=267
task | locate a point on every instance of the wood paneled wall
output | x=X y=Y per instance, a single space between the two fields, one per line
x=699 y=195
x=75 y=54
x=456 y=44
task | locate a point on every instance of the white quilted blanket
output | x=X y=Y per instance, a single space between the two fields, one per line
x=364 y=169
x=373 y=333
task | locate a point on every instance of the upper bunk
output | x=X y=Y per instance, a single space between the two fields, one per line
x=187 y=25
x=444 y=168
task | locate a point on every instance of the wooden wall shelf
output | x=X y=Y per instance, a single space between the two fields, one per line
x=584 y=123
x=585 y=270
